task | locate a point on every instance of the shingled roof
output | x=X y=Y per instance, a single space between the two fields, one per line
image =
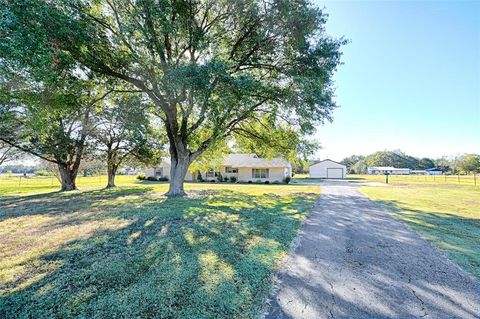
x=252 y=160
x=248 y=160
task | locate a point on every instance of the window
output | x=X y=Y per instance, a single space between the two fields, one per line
x=212 y=173
x=260 y=173
x=159 y=171
x=229 y=169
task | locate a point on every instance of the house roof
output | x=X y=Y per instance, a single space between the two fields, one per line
x=327 y=160
x=252 y=160
x=248 y=160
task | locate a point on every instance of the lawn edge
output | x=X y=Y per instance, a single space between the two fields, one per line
x=388 y=209
x=274 y=278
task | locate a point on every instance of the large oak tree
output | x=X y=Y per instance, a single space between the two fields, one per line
x=122 y=130
x=208 y=66
x=49 y=122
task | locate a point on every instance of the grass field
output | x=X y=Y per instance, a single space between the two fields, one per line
x=402 y=179
x=446 y=214
x=132 y=253
x=461 y=180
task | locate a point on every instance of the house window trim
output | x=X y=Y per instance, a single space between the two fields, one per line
x=231 y=170
x=263 y=173
x=212 y=173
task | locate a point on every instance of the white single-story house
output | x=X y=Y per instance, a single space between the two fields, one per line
x=418 y=172
x=327 y=169
x=433 y=171
x=428 y=171
x=379 y=170
x=241 y=167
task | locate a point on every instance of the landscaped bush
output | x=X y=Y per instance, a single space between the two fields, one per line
x=250 y=182
x=225 y=179
x=152 y=178
x=212 y=181
x=163 y=179
x=233 y=179
x=287 y=179
x=267 y=182
x=141 y=177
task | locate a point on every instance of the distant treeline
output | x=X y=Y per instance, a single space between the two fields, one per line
x=357 y=164
x=87 y=168
x=18 y=169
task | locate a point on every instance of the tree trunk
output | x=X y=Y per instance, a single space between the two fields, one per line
x=111 y=172
x=178 y=171
x=67 y=178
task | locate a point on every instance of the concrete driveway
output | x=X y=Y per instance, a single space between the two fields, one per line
x=353 y=260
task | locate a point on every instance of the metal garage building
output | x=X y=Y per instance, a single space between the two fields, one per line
x=328 y=169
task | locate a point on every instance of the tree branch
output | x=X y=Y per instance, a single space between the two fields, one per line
x=26 y=150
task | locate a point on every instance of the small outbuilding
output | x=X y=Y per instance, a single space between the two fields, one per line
x=327 y=169
x=382 y=170
x=433 y=171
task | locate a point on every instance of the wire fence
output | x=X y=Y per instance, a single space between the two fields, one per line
x=436 y=179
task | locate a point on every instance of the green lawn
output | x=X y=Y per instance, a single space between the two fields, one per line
x=132 y=253
x=447 y=215
x=304 y=178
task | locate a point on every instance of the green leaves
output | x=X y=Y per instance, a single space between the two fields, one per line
x=209 y=67
x=269 y=139
x=202 y=48
x=470 y=163
x=122 y=129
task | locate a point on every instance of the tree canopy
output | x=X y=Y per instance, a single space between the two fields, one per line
x=470 y=163
x=208 y=67
x=49 y=119
x=123 y=129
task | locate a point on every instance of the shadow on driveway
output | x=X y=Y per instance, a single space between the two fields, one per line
x=354 y=260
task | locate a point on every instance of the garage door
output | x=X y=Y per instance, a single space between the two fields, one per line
x=334 y=172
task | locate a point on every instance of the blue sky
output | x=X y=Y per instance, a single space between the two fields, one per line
x=410 y=79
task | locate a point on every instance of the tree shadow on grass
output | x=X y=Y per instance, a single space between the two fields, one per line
x=63 y=203
x=457 y=236
x=207 y=256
